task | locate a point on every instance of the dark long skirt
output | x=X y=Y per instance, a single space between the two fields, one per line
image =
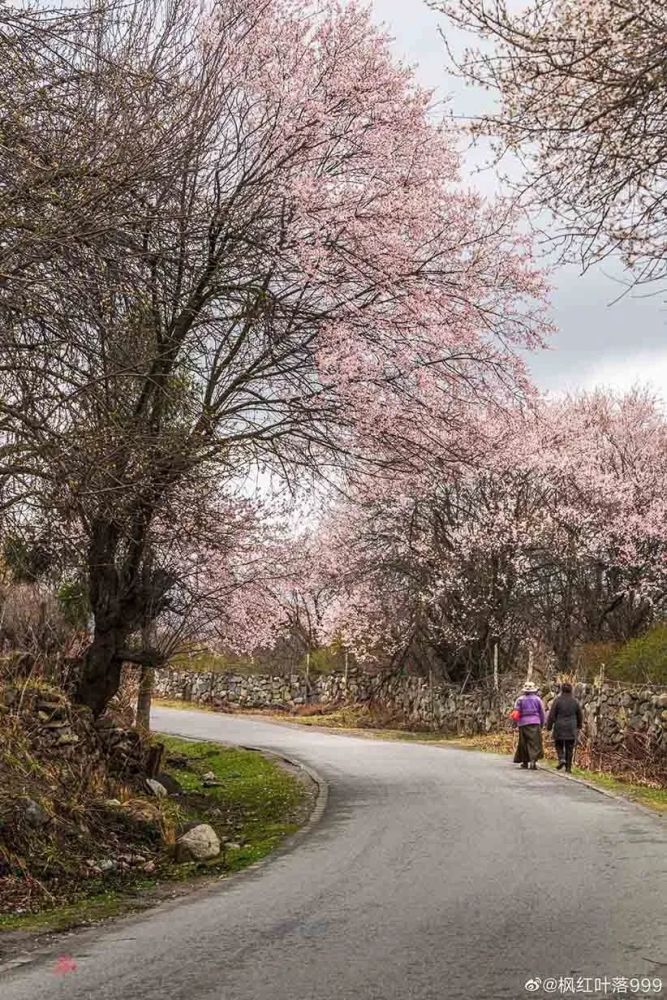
x=529 y=748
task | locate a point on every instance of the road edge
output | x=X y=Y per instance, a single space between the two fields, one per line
x=559 y=776
x=377 y=734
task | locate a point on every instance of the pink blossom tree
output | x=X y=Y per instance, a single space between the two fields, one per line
x=289 y=277
x=554 y=527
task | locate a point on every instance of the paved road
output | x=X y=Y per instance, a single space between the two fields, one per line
x=434 y=874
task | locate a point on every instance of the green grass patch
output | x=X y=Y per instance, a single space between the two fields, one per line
x=654 y=798
x=89 y=910
x=255 y=806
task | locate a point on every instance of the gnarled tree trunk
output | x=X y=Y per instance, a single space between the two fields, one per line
x=146 y=682
x=102 y=665
x=100 y=674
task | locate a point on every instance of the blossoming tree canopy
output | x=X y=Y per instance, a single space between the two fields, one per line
x=267 y=261
x=401 y=283
x=556 y=531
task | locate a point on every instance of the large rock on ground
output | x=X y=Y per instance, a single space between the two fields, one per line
x=156 y=788
x=201 y=843
x=34 y=814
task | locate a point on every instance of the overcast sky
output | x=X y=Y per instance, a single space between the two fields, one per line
x=597 y=342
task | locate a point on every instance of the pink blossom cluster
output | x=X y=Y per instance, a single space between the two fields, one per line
x=410 y=292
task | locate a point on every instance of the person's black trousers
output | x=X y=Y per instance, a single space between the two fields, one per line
x=565 y=751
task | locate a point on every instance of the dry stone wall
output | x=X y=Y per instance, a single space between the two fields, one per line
x=610 y=710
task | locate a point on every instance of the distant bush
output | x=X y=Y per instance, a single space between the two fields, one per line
x=73 y=600
x=38 y=632
x=642 y=660
x=207 y=661
x=589 y=659
x=324 y=660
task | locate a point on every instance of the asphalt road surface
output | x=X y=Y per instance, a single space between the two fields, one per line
x=433 y=874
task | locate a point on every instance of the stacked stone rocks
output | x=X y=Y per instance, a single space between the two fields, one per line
x=611 y=711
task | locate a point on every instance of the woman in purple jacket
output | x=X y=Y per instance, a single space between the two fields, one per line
x=530 y=720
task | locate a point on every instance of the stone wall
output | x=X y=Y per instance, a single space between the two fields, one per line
x=610 y=710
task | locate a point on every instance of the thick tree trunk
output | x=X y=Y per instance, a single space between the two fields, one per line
x=121 y=598
x=144 y=697
x=100 y=676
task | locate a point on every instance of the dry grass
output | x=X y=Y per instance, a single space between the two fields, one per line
x=503 y=742
x=55 y=823
x=356 y=716
x=640 y=759
x=87 y=853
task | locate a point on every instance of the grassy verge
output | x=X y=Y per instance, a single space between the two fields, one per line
x=255 y=806
x=654 y=798
x=183 y=705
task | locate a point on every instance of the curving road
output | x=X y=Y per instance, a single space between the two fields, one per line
x=434 y=874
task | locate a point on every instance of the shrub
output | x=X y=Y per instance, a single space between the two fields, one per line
x=642 y=660
x=589 y=659
x=326 y=660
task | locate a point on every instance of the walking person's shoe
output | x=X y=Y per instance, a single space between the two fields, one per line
x=561 y=765
x=568 y=769
x=524 y=766
x=533 y=766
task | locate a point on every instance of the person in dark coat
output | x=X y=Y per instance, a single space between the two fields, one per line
x=566 y=720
